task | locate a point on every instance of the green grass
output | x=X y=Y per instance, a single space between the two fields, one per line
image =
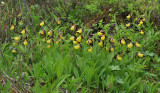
x=38 y=55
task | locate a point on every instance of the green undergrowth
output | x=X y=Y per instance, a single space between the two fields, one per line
x=46 y=48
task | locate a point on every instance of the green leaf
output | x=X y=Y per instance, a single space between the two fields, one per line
x=6 y=88
x=150 y=74
x=110 y=57
x=14 y=21
x=37 y=88
x=76 y=72
x=114 y=67
x=102 y=71
x=134 y=85
x=61 y=81
x=158 y=60
x=3 y=46
x=120 y=80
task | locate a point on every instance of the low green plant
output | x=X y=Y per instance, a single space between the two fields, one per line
x=54 y=55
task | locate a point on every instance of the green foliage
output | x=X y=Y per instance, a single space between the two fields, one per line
x=38 y=54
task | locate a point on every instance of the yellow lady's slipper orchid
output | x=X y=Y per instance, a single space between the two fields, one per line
x=77 y=46
x=100 y=33
x=14 y=51
x=130 y=45
x=49 y=41
x=42 y=23
x=72 y=38
x=62 y=38
x=12 y=27
x=90 y=49
x=106 y=48
x=25 y=42
x=140 y=54
x=41 y=32
x=128 y=25
x=139 y=25
x=143 y=19
x=75 y=42
x=72 y=27
x=138 y=45
x=112 y=40
x=49 y=33
x=79 y=31
x=57 y=42
x=129 y=16
x=123 y=41
x=44 y=39
x=17 y=38
x=90 y=41
x=49 y=46
x=103 y=37
x=100 y=43
x=79 y=39
x=14 y=44
x=119 y=58
x=141 y=22
x=23 y=31
x=111 y=49
x=142 y=32
x=58 y=22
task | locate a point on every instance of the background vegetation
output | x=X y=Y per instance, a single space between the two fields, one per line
x=85 y=46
